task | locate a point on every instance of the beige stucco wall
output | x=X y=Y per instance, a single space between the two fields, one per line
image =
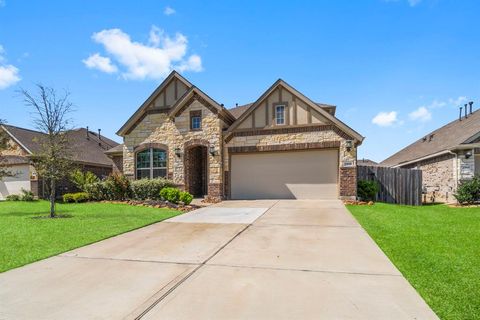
x=158 y=128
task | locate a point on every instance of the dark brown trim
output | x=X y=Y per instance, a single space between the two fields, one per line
x=205 y=103
x=195 y=142
x=144 y=146
x=287 y=130
x=309 y=114
x=285 y=147
x=175 y=84
x=253 y=120
x=266 y=113
x=294 y=100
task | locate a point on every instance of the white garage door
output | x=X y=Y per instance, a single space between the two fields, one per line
x=14 y=185
x=311 y=174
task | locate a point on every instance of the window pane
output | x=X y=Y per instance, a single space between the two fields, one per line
x=143 y=173
x=159 y=158
x=280 y=114
x=157 y=173
x=196 y=122
x=143 y=159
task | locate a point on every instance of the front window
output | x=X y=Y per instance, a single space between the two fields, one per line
x=196 y=120
x=280 y=114
x=151 y=163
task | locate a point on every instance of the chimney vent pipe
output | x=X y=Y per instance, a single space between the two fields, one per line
x=471 y=106
x=88 y=137
x=460 y=114
x=466 y=111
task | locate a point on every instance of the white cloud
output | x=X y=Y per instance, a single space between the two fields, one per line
x=385 y=119
x=168 y=11
x=154 y=60
x=421 y=114
x=96 y=61
x=9 y=74
x=458 y=101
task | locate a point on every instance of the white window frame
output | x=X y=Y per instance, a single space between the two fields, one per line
x=282 y=113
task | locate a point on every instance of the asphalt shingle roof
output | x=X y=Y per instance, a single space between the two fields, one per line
x=445 y=138
x=85 y=148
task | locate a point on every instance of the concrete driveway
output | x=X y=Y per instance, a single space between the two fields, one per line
x=287 y=259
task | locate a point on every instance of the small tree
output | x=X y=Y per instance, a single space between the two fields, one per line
x=82 y=179
x=51 y=116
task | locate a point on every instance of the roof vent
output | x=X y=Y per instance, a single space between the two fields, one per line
x=431 y=137
x=424 y=139
x=88 y=137
x=460 y=115
x=466 y=114
x=236 y=105
x=471 y=106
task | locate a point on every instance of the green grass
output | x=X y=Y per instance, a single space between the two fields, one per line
x=437 y=248
x=24 y=239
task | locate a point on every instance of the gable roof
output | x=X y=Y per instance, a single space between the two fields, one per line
x=141 y=110
x=239 y=110
x=85 y=148
x=444 y=139
x=305 y=99
x=190 y=93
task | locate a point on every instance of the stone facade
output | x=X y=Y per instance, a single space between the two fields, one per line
x=176 y=135
x=439 y=177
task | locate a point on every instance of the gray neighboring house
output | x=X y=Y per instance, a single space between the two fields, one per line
x=447 y=156
x=88 y=153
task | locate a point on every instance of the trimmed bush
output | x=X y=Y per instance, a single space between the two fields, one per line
x=13 y=197
x=185 y=197
x=170 y=194
x=80 y=197
x=27 y=195
x=97 y=191
x=469 y=191
x=68 y=198
x=367 y=190
x=149 y=188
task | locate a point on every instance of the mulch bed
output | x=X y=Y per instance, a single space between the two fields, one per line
x=359 y=203
x=157 y=204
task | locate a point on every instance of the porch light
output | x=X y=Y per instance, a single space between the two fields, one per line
x=468 y=154
x=178 y=152
x=349 y=144
x=212 y=151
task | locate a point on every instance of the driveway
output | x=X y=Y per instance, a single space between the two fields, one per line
x=265 y=259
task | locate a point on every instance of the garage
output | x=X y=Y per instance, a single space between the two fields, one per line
x=15 y=184
x=309 y=174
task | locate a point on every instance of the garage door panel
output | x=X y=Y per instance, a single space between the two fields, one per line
x=285 y=175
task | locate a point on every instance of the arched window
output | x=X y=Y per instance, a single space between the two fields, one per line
x=151 y=163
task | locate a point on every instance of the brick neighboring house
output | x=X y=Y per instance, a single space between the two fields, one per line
x=87 y=150
x=446 y=156
x=283 y=145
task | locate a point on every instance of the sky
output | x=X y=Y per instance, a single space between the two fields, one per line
x=395 y=69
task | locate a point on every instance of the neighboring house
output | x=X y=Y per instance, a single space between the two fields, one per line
x=446 y=156
x=87 y=150
x=367 y=162
x=283 y=145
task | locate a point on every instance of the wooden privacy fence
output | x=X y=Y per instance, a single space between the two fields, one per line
x=400 y=186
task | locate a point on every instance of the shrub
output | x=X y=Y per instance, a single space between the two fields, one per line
x=185 y=197
x=97 y=191
x=13 y=197
x=170 y=194
x=367 y=190
x=117 y=187
x=27 y=195
x=469 y=191
x=80 y=197
x=68 y=198
x=81 y=179
x=149 y=188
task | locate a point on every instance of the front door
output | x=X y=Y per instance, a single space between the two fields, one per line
x=196 y=170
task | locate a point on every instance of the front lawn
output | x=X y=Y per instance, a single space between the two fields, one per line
x=437 y=248
x=24 y=238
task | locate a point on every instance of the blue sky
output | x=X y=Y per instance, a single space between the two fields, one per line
x=395 y=69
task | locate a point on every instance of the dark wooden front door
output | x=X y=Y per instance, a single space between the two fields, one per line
x=196 y=171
